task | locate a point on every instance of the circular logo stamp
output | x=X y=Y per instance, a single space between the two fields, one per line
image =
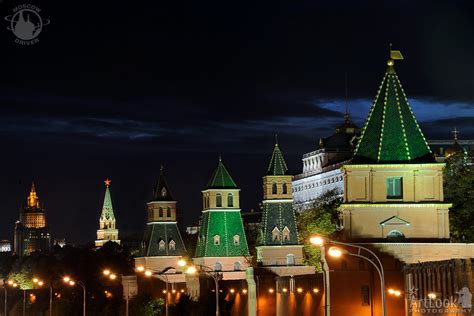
x=26 y=24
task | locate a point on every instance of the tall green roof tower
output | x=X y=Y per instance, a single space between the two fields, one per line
x=162 y=244
x=393 y=188
x=222 y=244
x=391 y=133
x=107 y=230
x=279 y=236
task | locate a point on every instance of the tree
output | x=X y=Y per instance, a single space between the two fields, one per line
x=319 y=219
x=458 y=189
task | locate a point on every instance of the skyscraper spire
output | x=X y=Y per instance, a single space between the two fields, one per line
x=33 y=200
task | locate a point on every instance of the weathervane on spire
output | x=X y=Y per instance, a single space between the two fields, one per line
x=107 y=181
x=394 y=55
x=276 y=139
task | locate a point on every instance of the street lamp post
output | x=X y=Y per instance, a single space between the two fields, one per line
x=6 y=299
x=71 y=282
x=40 y=283
x=216 y=276
x=336 y=252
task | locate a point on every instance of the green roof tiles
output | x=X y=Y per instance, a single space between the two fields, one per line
x=277 y=166
x=221 y=178
x=107 y=210
x=391 y=133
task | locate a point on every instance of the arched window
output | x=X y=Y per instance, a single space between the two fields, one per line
x=172 y=245
x=236 y=240
x=286 y=233
x=217 y=266
x=168 y=212
x=274 y=188
x=275 y=234
x=395 y=236
x=230 y=200
x=161 y=245
x=237 y=266
x=217 y=240
x=284 y=189
x=160 y=212
x=218 y=200
x=290 y=259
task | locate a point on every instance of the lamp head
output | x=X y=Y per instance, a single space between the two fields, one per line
x=317 y=240
x=335 y=252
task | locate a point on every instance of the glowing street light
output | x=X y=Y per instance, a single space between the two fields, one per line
x=393 y=292
x=432 y=296
x=335 y=252
x=182 y=263
x=317 y=240
x=71 y=282
x=106 y=272
x=140 y=268
x=148 y=273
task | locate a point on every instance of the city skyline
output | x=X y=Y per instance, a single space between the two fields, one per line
x=134 y=89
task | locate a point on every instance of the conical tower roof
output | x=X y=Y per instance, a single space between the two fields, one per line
x=221 y=178
x=391 y=133
x=277 y=166
x=107 y=209
x=161 y=192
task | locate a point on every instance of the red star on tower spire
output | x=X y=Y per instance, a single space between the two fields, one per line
x=107 y=182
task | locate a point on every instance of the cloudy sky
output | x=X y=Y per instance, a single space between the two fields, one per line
x=117 y=90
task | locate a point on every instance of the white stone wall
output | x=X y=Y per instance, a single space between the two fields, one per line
x=308 y=189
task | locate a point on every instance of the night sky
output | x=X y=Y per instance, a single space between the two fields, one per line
x=116 y=90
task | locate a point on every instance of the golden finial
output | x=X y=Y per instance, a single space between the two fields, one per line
x=394 y=55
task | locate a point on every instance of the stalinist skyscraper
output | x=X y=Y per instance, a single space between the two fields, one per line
x=107 y=230
x=31 y=230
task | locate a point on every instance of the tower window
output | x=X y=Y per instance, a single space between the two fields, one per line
x=217 y=240
x=218 y=266
x=275 y=234
x=274 y=188
x=161 y=245
x=160 y=212
x=237 y=266
x=218 y=200
x=168 y=212
x=394 y=187
x=230 y=200
x=284 y=189
x=172 y=245
x=236 y=240
x=286 y=233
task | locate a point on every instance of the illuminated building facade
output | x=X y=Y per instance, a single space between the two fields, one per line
x=322 y=167
x=31 y=230
x=107 y=225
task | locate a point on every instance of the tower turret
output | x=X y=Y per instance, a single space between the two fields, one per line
x=107 y=225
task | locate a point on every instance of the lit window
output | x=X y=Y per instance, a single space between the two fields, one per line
x=236 y=240
x=168 y=212
x=286 y=233
x=218 y=200
x=394 y=187
x=172 y=245
x=275 y=234
x=161 y=245
x=217 y=240
x=230 y=200
x=284 y=189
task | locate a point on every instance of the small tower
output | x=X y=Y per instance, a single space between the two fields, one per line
x=107 y=230
x=222 y=244
x=279 y=238
x=162 y=244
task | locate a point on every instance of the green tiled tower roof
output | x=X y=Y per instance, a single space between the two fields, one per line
x=221 y=178
x=161 y=192
x=277 y=166
x=107 y=210
x=391 y=133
